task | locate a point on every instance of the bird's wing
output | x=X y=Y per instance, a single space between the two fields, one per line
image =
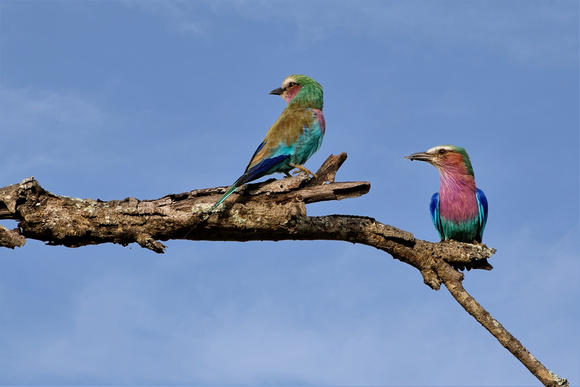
x=435 y=217
x=253 y=173
x=290 y=125
x=283 y=135
x=482 y=207
x=262 y=168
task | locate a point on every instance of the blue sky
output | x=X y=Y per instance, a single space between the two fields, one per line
x=111 y=99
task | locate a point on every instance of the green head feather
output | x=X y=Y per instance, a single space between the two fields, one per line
x=464 y=155
x=310 y=94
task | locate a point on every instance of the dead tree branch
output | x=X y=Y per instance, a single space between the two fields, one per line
x=453 y=282
x=273 y=210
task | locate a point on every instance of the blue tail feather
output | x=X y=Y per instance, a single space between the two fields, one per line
x=263 y=168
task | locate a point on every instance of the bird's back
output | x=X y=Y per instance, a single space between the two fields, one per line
x=297 y=133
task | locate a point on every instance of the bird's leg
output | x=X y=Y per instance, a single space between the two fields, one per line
x=303 y=169
x=287 y=174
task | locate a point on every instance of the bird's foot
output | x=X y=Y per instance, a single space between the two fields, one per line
x=302 y=169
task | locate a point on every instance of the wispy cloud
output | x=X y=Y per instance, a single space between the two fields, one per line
x=118 y=331
x=44 y=127
x=123 y=329
x=506 y=27
x=23 y=108
x=181 y=16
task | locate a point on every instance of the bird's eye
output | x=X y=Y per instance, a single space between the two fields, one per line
x=442 y=151
x=292 y=84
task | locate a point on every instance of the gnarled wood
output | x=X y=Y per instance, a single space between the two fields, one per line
x=273 y=210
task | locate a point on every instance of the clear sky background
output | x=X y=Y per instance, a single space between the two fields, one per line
x=115 y=99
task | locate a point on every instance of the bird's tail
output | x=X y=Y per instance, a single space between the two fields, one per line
x=263 y=168
x=224 y=197
x=241 y=181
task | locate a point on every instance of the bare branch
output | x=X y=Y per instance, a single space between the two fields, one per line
x=11 y=238
x=273 y=210
x=452 y=280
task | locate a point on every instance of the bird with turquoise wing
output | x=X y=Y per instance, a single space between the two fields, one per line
x=459 y=209
x=294 y=137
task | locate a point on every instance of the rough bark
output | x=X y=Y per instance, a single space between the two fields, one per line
x=273 y=210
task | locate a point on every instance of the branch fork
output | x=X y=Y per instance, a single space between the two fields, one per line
x=272 y=210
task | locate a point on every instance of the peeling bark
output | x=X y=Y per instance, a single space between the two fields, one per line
x=273 y=210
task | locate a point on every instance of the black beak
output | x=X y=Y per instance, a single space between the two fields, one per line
x=421 y=156
x=277 y=91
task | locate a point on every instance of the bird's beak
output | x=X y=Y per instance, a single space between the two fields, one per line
x=277 y=91
x=421 y=156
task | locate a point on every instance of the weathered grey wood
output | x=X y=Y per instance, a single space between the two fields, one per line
x=273 y=210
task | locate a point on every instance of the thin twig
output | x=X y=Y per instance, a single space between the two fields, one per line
x=453 y=282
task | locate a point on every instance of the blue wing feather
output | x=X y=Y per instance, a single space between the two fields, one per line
x=434 y=208
x=263 y=168
x=254 y=155
x=482 y=206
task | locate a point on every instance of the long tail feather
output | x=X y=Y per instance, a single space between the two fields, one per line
x=224 y=197
x=257 y=171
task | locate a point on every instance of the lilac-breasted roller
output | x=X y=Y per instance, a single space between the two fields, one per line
x=293 y=138
x=459 y=209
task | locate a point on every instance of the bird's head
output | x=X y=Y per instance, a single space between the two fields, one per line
x=446 y=158
x=301 y=90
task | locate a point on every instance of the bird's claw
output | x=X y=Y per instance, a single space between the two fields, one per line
x=302 y=169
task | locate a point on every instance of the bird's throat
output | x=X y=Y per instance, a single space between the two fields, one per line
x=457 y=201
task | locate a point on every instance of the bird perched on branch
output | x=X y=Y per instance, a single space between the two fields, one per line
x=293 y=138
x=459 y=209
